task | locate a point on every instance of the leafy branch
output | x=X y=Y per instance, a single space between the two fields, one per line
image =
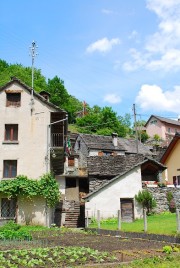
x=46 y=187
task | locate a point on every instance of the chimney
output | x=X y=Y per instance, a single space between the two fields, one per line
x=114 y=139
x=45 y=95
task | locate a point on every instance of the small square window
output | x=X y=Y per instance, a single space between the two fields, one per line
x=11 y=132
x=8 y=207
x=13 y=99
x=10 y=169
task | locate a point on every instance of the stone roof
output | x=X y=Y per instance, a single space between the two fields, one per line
x=125 y=169
x=112 y=165
x=105 y=143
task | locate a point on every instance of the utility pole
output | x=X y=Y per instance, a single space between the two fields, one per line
x=135 y=124
x=33 y=55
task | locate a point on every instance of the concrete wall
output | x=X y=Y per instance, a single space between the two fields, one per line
x=32 y=211
x=82 y=151
x=107 y=200
x=31 y=149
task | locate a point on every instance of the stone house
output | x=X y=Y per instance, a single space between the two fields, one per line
x=125 y=176
x=165 y=128
x=96 y=160
x=32 y=143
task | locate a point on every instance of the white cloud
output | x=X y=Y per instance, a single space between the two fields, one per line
x=153 y=98
x=103 y=45
x=112 y=98
x=161 y=50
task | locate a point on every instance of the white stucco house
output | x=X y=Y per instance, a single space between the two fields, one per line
x=119 y=192
x=32 y=137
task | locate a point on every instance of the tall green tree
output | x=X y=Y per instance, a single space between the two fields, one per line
x=23 y=73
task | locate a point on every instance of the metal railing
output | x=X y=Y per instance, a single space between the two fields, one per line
x=57 y=140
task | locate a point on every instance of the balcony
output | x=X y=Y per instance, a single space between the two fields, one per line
x=57 y=140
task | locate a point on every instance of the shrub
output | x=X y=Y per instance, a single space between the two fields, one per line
x=10 y=225
x=167 y=249
x=161 y=184
x=146 y=199
x=171 y=202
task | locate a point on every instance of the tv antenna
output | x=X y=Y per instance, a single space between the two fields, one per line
x=33 y=53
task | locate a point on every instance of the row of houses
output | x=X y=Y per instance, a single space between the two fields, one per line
x=94 y=173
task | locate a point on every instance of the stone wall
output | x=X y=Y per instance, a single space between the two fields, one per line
x=95 y=183
x=160 y=195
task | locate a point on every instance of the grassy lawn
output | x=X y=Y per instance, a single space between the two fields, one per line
x=158 y=224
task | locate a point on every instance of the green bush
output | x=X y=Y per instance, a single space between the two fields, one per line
x=167 y=249
x=10 y=225
x=146 y=199
x=11 y=230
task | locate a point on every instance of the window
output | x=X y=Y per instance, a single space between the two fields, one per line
x=13 y=99
x=70 y=183
x=8 y=207
x=10 y=169
x=169 y=130
x=153 y=122
x=11 y=133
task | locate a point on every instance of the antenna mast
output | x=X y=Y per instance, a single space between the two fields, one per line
x=135 y=125
x=33 y=55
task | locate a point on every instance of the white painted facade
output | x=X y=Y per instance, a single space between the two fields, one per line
x=107 y=199
x=31 y=150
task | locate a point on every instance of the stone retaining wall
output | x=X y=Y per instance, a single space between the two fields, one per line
x=160 y=195
x=155 y=237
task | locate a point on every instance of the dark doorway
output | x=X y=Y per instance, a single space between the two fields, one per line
x=127 y=209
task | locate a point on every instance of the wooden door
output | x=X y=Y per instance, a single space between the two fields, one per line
x=127 y=209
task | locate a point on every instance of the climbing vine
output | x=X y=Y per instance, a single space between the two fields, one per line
x=46 y=187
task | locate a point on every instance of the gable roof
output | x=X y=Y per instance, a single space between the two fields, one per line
x=100 y=142
x=145 y=161
x=105 y=143
x=170 y=147
x=29 y=89
x=114 y=165
x=164 y=120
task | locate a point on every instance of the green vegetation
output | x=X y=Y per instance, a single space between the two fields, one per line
x=157 y=224
x=155 y=262
x=97 y=120
x=46 y=187
x=56 y=257
x=145 y=198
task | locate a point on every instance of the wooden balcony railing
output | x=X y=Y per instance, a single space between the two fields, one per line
x=57 y=140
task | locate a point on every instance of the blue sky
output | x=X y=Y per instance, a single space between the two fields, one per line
x=108 y=52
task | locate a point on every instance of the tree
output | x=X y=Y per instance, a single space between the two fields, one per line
x=22 y=73
x=59 y=94
x=146 y=199
x=72 y=106
x=143 y=136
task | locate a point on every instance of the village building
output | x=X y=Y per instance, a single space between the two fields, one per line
x=170 y=158
x=32 y=134
x=163 y=127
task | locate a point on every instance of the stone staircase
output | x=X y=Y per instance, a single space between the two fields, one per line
x=72 y=214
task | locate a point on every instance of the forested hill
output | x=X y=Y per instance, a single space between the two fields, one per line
x=95 y=120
